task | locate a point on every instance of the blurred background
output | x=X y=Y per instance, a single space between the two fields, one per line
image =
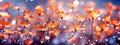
x=30 y=4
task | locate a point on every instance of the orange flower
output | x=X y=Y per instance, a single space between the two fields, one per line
x=61 y=13
x=40 y=28
x=31 y=17
x=110 y=31
x=114 y=7
x=55 y=32
x=92 y=14
x=39 y=10
x=32 y=34
x=109 y=5
x=4 y=23
x=19 y=32
x=77 y=27
x=97 y=29
x=26 y=11
x=5 y=15
x=8 y=31
x=102 y=25
x=23 y=23
x=106 y=18
x=28 y=41
x=114 y=22
x=26 y=31
x=5 y=6
x=98 y=34
x=70 y=30
x=53 y=24
x=37 y=27
x=80 y=18
x=49 y=25
x=110 y=12
x=43 y=28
